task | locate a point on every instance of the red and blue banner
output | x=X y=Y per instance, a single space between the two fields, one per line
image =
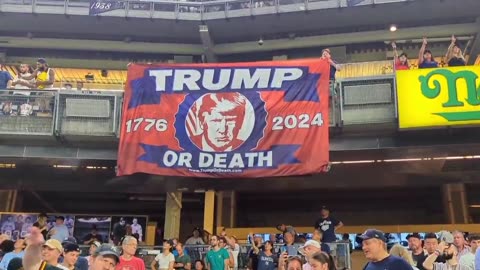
x=226 y=120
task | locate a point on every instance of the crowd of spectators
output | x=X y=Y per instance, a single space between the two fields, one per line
x=453 y=58
x=442 y=251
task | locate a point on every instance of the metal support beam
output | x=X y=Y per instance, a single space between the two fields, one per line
x=475 y=49
x=7 y=200
x=455 y=201
x=207 y=43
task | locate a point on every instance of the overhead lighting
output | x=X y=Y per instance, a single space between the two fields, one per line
x=393 y=28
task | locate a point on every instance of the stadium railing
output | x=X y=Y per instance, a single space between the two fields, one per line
x=184 y=10
x=339 y=250
x=359 y=101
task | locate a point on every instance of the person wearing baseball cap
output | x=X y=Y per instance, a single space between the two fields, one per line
x=70 y=243
x=105 y=258
x=71 y=252
x=328 y=225
x=93 y=248
x=374 y=247
x=51 y=252
x=416 y=248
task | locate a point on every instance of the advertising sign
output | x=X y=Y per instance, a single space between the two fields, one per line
x=226 y=120
x=438 y=97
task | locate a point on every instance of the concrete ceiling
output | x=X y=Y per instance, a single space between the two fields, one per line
x=236 y=35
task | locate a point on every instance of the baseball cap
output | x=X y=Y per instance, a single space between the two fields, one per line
x=41 y=61
x=55 y=244
x=69 y=247
x=70 y=239
x=373 y=233
x=96 y=243
x=312 y=243
x=445 y=236
x=105 y=250
x=414 y=235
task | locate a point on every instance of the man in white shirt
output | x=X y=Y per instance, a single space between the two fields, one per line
x=137 y=229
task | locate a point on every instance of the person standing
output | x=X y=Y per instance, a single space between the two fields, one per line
x=182 y=261
x=217 y=258
x=71 y=253
x=266 y=258
x=469 y=258
x=418 y=253
x=165 y=260
x=137 y=229
x=461 y=244
x=119 y=231
x=128 y=261
x=425 y=57
x=60 y=230
x=195 y=239
x=41 y=224
x=328 y=225
x=374 y=246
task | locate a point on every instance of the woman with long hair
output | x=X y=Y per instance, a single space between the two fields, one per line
x=322 y=261
x=425 y=57
x=454 y=54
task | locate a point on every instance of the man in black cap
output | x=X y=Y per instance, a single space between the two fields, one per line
x=71 y=252
x=105 y=258
x=80 y=263
x=416 y=248
x=374 y=247
x=328 y=225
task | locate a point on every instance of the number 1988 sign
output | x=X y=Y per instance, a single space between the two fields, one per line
x=226 y=120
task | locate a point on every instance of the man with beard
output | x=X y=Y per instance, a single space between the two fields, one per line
x=448 y=252
x=418 y=253
x=217 y=258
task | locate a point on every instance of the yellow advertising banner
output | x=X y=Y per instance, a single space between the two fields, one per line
x=438 y=97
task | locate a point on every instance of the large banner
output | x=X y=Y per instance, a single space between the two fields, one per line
x=226 y=120
x=438 y=97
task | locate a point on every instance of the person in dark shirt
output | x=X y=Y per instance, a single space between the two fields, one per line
x=266 y=259
x=328 y=225
x=119 y=231
x=418 y=253
x=254 y=252
x=42 y=225
x=425 y=57
x=375 y=250
x=92 y=237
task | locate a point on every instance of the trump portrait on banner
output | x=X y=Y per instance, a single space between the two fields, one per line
x=219 y=119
